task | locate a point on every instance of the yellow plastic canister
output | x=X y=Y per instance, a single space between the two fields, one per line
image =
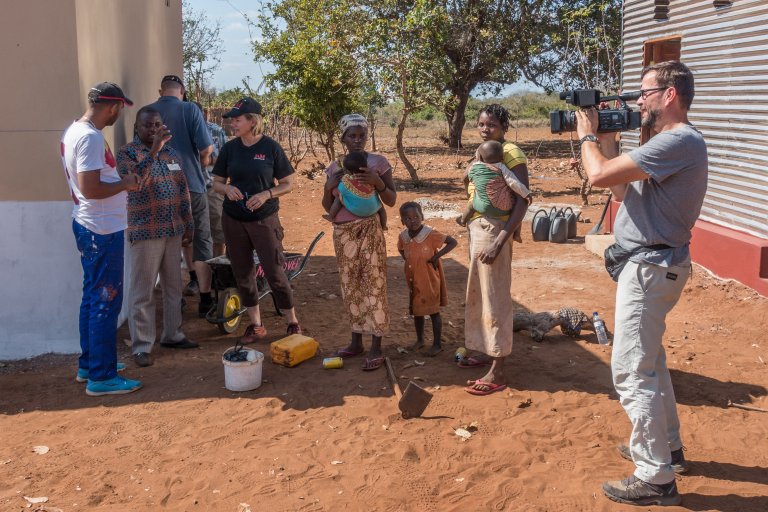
x=293 y=350
x=333 y=362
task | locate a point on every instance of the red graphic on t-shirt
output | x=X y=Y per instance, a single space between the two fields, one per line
x=108 y=156
x=259 y=156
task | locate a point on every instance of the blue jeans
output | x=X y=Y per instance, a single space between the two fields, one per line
x=102 y=259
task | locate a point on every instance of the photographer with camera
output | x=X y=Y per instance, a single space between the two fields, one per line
x=661 y=186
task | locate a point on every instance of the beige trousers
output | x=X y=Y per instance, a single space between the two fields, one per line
x=148 y=258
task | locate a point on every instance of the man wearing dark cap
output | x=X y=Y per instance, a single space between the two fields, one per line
x=193 y=143
x=99 y=220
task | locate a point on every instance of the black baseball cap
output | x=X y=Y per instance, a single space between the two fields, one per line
x=174 y=78
x=107 y=91
x=171 y=78
x=244 y=106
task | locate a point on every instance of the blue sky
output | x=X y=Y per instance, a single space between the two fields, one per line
x=237 y=59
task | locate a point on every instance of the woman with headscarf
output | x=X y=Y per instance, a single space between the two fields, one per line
x=361 y=252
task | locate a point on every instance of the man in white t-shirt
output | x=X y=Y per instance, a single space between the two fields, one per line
x=99 y=220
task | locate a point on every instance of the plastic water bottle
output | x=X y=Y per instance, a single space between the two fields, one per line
x=602 y=336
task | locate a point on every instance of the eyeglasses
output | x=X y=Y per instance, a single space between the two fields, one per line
x=644 y=93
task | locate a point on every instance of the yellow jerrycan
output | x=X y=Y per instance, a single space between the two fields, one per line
x=293 y=350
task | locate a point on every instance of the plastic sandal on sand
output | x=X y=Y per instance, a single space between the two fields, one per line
x=344 y=353
x=492 y=388
x=373 y=363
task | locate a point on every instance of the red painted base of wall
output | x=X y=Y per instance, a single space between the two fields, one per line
x=726 y=253
x=610 y=215
x=731 y=254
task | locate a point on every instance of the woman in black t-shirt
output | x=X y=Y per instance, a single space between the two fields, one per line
x=245 y=173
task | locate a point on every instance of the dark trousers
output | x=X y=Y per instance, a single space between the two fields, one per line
x=266 y=238
x=102 y=259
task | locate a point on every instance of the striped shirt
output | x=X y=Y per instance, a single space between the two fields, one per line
x=161 y=207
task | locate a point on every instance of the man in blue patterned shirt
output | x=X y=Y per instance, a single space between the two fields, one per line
x=159 y=223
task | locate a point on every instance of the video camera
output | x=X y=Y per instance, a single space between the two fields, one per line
x=609 y=120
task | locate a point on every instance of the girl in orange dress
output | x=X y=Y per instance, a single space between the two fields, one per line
x=422 y=247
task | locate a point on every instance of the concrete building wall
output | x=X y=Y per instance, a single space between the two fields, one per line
x=53 y=51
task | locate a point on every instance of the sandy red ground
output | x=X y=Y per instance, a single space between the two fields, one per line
x=315 y=439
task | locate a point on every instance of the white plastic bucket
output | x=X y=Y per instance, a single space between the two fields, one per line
x=243 y=375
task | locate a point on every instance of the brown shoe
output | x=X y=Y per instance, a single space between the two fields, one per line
x=253 y=333
x=294 y=329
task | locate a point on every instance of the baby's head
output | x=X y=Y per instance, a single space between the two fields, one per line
x=411 y=215
x=490 y=152
x=355 y=160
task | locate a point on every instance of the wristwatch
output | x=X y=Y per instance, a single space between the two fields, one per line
x=589 y=138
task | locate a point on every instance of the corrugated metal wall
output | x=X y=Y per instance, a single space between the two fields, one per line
x=727 y=50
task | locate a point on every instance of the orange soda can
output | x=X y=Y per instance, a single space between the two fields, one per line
x=333 y=362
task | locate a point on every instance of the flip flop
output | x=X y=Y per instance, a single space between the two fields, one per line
x=343 y=353
x=492 y=388
x=472 y=362
x=372 y=364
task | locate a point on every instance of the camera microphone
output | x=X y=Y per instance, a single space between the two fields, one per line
x=629 y=96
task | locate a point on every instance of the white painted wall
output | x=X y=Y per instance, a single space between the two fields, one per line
x=40 y=278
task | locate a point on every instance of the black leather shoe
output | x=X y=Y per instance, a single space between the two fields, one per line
x=184 y=343
x=204 y=308
x=143 y=359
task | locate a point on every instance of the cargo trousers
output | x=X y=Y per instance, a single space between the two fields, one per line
x=644 y=296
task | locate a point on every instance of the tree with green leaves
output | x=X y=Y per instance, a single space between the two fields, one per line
x=396 y=46
x=493 y=43
x=316 y=75
x=485 y=43
x=581 y=48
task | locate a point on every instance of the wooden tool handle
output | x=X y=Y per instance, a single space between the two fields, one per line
x=393 y=378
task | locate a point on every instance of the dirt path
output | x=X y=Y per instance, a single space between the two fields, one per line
x=314 y=439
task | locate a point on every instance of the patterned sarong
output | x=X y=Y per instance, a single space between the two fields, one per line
x=361 y=255
x=489 y=307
